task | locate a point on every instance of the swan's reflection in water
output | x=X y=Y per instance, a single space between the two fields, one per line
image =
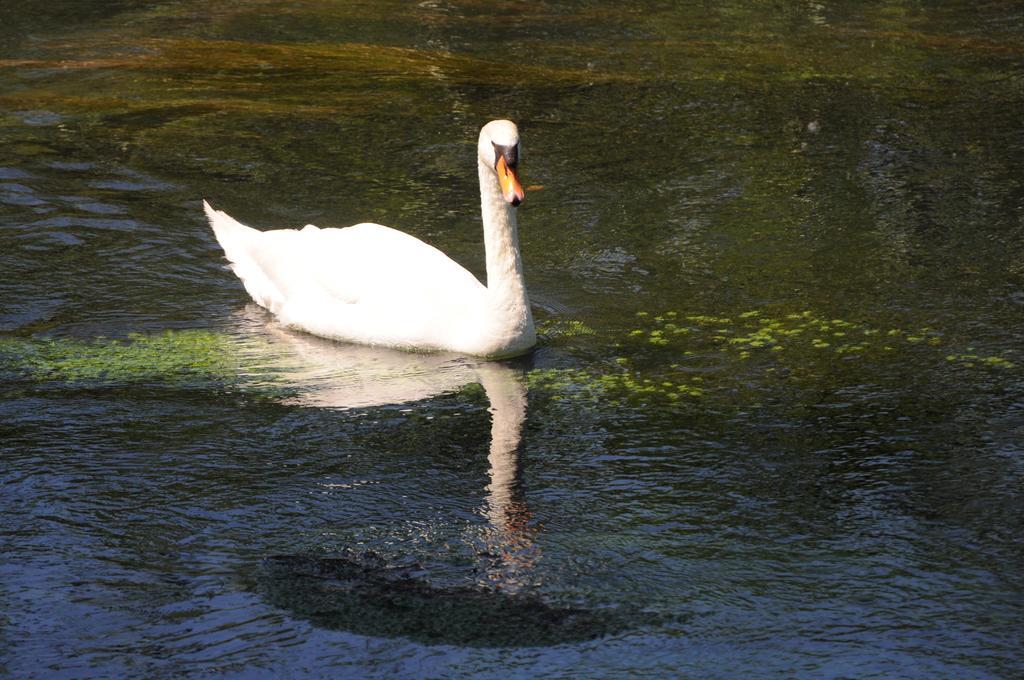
x=324 y=374
x=363 y=593
x=511 y=539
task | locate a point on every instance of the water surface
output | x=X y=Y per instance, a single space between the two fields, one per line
x=773 y=426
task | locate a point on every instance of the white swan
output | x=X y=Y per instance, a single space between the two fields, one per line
x=374 y=285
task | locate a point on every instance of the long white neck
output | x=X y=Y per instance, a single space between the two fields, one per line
x=506 y=285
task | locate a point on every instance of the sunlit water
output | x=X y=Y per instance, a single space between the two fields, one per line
x=773 y=426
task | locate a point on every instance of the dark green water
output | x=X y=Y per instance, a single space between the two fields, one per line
x=774 y=426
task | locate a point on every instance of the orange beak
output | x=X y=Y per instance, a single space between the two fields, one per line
x=511 y=189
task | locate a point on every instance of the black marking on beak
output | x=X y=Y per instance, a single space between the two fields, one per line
x=509 y=153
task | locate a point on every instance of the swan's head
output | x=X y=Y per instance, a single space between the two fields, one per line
x=499 y=150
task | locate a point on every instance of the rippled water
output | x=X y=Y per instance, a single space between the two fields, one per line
x=773 y=426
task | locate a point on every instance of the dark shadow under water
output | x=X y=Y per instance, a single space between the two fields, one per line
x=363 y=595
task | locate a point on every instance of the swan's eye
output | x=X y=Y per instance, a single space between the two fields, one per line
x=509 y=153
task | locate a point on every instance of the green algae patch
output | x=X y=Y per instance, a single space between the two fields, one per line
x=971 y=360
x=618 y=385
x=755 y=333
x=675 y=358
x=172 y=357
x=555 y=329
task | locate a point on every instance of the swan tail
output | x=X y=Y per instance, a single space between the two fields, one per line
x=240 y=243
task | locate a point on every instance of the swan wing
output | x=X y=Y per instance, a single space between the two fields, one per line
x=366 y=283
x=373 y=264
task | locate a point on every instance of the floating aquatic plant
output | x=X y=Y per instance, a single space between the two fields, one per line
x=613 y=386
x=171 y=356
x=553 y=329
x=971 y=360
x=755 y=331
x=672 y=356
